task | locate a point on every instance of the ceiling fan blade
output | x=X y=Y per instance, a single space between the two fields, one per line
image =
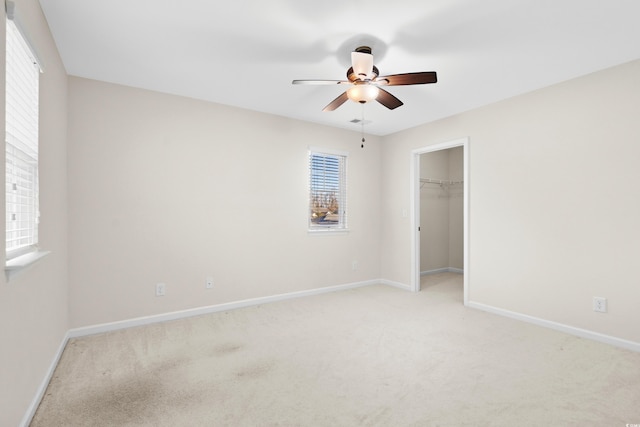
x=362 y=64
x=419 y=78
x=388 y=100
x=336 y=102
x=320 y=82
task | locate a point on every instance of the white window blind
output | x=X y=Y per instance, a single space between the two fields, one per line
x=327 y=191
x=21 y=182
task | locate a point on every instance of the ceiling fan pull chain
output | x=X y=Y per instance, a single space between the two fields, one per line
x=362 y=125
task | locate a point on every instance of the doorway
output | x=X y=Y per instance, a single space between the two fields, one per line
x=444 y=187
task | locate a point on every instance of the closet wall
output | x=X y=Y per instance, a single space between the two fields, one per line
x=441 y=211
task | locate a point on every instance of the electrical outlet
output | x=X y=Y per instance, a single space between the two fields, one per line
x=355 y=265
x=160 y=289
x=209 y=283
x=600 y=304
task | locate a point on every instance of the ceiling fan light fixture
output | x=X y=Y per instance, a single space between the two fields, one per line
x=363 y=93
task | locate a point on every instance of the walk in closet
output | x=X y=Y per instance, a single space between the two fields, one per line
x=441 y=211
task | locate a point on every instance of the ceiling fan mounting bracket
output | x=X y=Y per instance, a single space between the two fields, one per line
x=363 y=49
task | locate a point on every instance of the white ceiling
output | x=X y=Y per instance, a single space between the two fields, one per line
x=245 y=53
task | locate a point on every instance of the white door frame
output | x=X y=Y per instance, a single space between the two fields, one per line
x=415 y=211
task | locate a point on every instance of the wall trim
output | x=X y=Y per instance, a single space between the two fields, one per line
x=33 y=407
x=147 y=320
x=181 y=314
x=396 y=284
x=414 y=199
x=571 y=330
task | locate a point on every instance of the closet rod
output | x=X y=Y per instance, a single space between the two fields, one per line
x=439 y=181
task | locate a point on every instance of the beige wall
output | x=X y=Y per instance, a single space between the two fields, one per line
x=170 y=189
x=554 y=206
x=456 y=208
x=434 y=212
x=33 y=305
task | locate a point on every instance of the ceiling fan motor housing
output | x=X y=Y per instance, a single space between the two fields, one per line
x=352 y=76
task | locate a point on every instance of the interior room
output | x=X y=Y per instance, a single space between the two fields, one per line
x=173 y=171
x=442 y=211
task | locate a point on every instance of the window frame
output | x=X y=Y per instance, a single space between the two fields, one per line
x=21 y=152
x=341 y=158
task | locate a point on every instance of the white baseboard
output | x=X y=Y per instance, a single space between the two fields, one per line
x=146 y=320
x=583 y=333
x=396 y=284
x=113 y=326
x=33 y=407
x=442 y=270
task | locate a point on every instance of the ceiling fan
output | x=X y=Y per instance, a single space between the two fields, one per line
x=365 y=82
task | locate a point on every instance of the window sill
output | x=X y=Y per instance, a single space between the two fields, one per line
x=328 y=232
x=20 y=263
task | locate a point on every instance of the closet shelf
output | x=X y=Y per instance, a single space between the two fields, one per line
x=440 y=182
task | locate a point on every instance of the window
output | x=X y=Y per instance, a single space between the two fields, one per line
x=327 y=190
x=21 y=145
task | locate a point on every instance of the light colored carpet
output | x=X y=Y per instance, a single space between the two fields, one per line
x=373 y=356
